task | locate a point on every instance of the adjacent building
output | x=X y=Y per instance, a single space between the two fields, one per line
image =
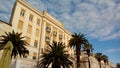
x=4 y=27
x=84 y=61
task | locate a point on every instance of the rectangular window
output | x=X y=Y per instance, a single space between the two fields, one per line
x=34 y=56
x=22 y=13
x=47 y=39
x=29 y=29
x=20 y=25
x=28 y=40
x=60 y=36
x=31 y=17
x=48 y=28
x=38 y=22
x=37 y=32
x=35 y=43
x=55 y=33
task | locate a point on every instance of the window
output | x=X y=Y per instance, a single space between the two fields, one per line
x=30 y=17
x=37 y=32
x=48 y=28
x=60 y=36
x=20 y=24
x=38 y=22
x=55 y=33
x=35 y=43
x=34 y=56
x=28 y=40
x=29 y=30
x=22 y=13
x=47 y=39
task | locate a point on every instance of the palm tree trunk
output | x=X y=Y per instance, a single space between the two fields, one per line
x=100 y=64
x=78 y=59
x=89 y=62
x=78 y=48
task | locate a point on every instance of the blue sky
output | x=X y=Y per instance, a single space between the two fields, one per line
x=98 y=19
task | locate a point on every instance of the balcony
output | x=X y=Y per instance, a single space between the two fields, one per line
x=55 y=33
x=48 y=29
x=47 y=39
x=60 y=36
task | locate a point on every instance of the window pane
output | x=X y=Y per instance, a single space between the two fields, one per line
x=35 y=43
x=29 y=30
x=34 y=56
x=38 y=22
x=28 y=40
x=20 y=25
x=22 y=13
x=30 y=17
x=37 y=32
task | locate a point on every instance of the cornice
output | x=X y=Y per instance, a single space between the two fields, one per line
x=29 y=7
x=1 y=21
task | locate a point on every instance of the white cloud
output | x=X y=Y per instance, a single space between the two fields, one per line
x=4 y=17
x=98 y=18
x=37 y=4
x=99 y=24
x=113 y=50
x=5 y=9
x=113 y=36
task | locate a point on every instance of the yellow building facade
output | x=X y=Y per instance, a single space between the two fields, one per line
x=39 y=29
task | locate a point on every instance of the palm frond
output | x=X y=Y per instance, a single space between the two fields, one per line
x=18 y=43
x=55 y=55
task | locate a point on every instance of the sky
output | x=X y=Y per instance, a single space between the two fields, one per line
x=99 y=20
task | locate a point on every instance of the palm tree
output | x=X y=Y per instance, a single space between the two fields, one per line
x=56 y=56
x=76 y=41
x=105 y=59
x=98 y=56
x=17 y=41
x=88 y=48
x=118 y=65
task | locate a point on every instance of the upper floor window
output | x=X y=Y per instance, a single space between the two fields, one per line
x=60 y=36
x=48 y=28
x=55 y=33
x=47 y=39
x=38 y=22
x=34 y=56
x=20 y=25
x=35 y=43
x=37 y=32
x=29 y=29
x=31 y=17
x=22 y=13
x=28 y=40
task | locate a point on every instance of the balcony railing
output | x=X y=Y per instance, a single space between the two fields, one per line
x=55 y=33
x=47 y=39
x=60 y=36
x=48 y=29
